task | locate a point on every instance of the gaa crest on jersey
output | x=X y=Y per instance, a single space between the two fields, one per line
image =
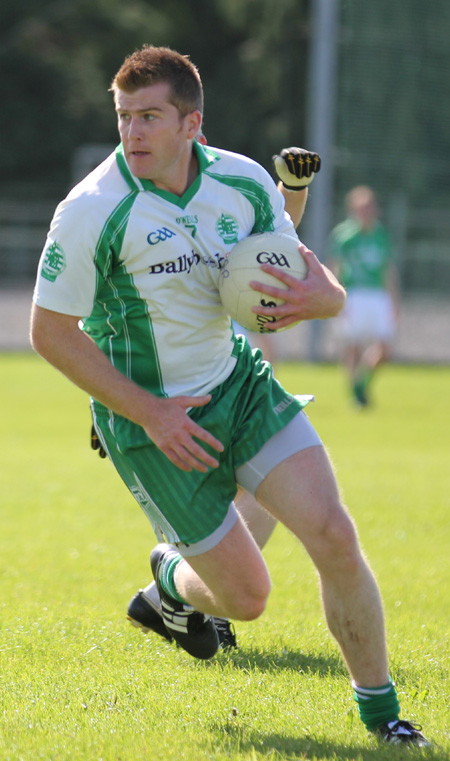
x=228 y=228
x=54 y=262
x=159 y=236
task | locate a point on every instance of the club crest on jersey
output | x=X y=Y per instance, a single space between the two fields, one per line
x=159 y=236
x=227 y=227
x=54 y=262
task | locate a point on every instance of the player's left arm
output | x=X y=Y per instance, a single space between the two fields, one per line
x=296 y=169
x=318 y=297
x=294 y=203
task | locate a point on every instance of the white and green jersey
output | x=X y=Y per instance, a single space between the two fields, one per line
x=140 y=266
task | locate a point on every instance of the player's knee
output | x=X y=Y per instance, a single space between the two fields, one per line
x=250 y=601
x=338 y=542
x=252 y=607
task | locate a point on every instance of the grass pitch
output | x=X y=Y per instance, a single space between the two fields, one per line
x=78 y=682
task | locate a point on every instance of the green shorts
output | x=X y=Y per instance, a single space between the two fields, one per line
x=245 y=411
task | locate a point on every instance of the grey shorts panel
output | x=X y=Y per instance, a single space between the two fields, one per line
x=297 y=435
x=188 y=550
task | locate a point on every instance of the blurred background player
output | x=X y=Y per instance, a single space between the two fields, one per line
x=295 y=169
x=361 y=256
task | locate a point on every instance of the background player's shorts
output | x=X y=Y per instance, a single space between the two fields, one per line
x=186 y=508
x=368 y=315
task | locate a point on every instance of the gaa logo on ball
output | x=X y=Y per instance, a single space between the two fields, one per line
x=270 y=257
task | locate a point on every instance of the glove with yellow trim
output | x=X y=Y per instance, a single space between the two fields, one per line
x=296 y=167
x=96 y=444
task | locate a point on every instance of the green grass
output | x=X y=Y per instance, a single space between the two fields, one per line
x=78 y=682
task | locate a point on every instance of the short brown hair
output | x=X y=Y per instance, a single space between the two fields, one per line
x=150 y=65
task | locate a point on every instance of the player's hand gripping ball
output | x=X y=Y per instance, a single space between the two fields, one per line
x=296 y=167
x=243 y=264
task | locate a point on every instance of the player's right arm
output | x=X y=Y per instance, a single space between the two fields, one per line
x=59 y=340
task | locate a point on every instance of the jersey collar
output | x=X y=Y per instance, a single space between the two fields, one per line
x=205 y=156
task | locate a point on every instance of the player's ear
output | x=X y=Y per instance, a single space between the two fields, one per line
x=194 y=123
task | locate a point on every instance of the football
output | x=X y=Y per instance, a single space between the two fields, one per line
x=243 y=264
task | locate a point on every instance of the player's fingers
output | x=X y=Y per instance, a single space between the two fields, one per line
x=191 y=456
x=207 y=438
x=175 y=459
x=273 y=290
x=279 y=311
x=201 y=455
x=309 y=256
x=194 y=401
x=301 y=162
x=281 y=322
x=307 y=164
x=267 y=290
x=196 y=430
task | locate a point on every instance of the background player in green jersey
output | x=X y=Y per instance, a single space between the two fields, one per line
x=361 y=255
x=182 y=406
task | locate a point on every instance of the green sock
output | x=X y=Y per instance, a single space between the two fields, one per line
x=167 y=579
x=377 y=705
x=363 y=378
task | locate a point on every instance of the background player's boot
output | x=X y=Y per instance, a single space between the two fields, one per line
x=195 y=632
x=359 y=389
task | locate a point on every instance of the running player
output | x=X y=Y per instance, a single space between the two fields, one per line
x=182 y=406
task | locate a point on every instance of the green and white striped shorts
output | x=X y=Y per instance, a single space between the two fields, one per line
x=195 y=510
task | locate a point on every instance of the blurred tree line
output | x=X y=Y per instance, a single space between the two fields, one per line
x=391 y=129
x=57 y=59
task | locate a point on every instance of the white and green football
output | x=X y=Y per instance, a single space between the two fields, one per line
x=243 y=264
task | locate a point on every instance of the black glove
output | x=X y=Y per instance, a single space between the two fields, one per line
x=296 y=167
x=96 y=444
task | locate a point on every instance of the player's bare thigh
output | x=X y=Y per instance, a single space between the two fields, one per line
x=235 y=571
x=259 y=522
x=302 y=493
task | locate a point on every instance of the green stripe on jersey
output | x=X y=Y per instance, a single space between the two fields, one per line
x=128 y=322
x=256 y=194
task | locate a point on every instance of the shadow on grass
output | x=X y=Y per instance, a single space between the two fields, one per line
x=288 y=660
x=238 y=739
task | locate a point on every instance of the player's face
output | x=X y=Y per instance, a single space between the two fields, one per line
x=364 y=209
x=156 y=140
